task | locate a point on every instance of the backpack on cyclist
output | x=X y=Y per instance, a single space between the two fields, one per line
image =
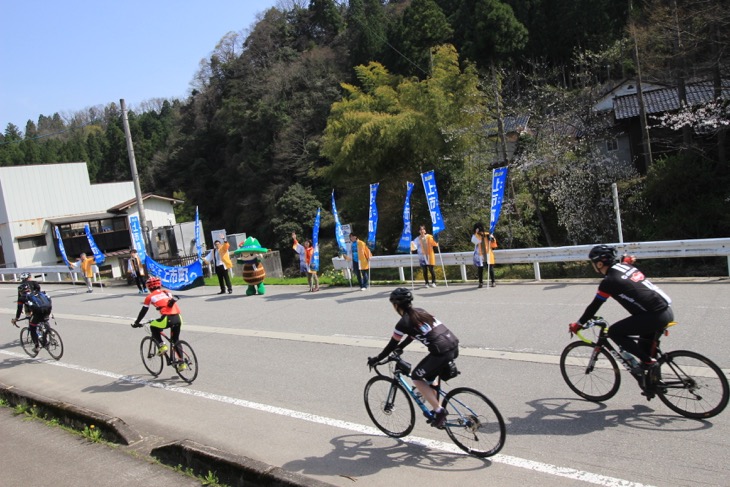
x=41 y=302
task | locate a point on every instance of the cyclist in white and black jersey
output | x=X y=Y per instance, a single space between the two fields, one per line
x=442 y=344
x=649 y=306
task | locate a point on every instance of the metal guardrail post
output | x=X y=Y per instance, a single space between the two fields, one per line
x=536 y=266
x=463 y=272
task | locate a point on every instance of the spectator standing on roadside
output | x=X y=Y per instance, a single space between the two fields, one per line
x=306 y=251
x=484 y=243
x=359 y=254
x=136 y=270
x=86 y=264
x=221 y=263
x=425 y=244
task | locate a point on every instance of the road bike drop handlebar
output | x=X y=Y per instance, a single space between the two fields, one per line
x=593 y=322
x=401 y=365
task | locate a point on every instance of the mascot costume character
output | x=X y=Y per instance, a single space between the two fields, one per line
x=249 y=254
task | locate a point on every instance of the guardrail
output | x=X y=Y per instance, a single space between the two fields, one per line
x=46 y=274
x=666 y=249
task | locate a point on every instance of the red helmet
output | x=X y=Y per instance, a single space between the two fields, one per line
x=154 y=283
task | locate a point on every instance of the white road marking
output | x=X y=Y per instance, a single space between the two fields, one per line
x=541 y=467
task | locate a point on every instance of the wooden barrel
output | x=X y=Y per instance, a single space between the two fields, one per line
x=254 y=275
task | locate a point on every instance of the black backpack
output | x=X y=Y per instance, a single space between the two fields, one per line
x=41 y=302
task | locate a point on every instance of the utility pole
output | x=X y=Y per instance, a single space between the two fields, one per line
x=135 y=178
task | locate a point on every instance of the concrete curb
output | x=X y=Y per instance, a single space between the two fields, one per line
x=232 y=470
x=112 y=429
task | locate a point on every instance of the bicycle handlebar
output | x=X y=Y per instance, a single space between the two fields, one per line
x=403 y=366
x=595 y=321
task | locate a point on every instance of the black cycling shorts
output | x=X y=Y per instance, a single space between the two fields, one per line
x=430 y=367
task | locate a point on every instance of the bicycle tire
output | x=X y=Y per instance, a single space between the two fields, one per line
x=27 y=342
x=151 y=360
x=474 y=423
x=54 y=344
x=596 y=382
x=189 y=359
x=389 y=406
x=692 y=385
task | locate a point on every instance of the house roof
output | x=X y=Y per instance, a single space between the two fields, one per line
x=666 y=99
x=129 y=203
x=511 y=124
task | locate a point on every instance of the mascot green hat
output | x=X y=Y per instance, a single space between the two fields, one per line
x=250 y=245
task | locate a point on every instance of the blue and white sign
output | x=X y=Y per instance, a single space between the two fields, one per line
x=137 y=238
x=178 y=277
x=98 y=254
x=432 y=196
x=499 y=179
x=314 y=263
x=404 y=245
x=339 y=236
x=61 y=247
x=373 y=216
x=198 y=245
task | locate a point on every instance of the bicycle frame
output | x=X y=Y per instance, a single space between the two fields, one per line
x=168 y=355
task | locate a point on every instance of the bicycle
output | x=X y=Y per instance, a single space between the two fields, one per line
x=48 y=338
x=687 y=382
x=184 y=360
x=474 y=423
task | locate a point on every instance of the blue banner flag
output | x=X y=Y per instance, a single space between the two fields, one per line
x=137 y=238
x=178 y=277
x=61 y=247
x=432 y=196
x=314 y=263
x=404 y=246
x=499 y=179
x=373 y=216
x=198 y=245
x=339 y=236
x=98 y=254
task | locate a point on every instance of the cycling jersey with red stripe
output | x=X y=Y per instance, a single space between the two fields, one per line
x=159 y=299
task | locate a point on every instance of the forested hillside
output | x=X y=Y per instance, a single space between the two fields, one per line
x=322 y=95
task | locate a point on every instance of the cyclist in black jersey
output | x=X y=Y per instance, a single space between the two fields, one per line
x=442 y=344
x=649 y=306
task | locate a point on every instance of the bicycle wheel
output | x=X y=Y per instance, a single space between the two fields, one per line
x=692 y=385
x=593 y=376
x=474 y=423
x=389 y=406
x=152 y=362
x=187 y=365
x=54 y=344
x=27 y=342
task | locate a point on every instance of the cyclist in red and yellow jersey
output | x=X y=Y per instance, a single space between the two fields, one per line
x=166 y=304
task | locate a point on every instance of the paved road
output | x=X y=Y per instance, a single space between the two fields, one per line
x=282 y=376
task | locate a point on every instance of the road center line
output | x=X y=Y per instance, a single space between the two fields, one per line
x=545 y=468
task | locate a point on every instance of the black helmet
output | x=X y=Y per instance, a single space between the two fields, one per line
x=24 y=288
x=603 y=253
x=401 y=297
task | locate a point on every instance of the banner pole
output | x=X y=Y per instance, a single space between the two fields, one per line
x=443 y=268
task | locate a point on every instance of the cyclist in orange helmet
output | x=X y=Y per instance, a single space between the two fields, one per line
x=166 y=304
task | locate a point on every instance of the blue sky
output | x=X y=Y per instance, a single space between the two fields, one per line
x=65 y=56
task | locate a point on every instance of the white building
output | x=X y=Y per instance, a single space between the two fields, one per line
x=36 y=198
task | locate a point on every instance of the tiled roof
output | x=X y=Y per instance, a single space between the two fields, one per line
x=511 y=124
x=666 y=100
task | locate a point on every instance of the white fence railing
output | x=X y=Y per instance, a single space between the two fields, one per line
x=51 y=273
x=713 y=247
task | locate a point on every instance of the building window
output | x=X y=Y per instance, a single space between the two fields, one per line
x=32 y=242
x=612 y=145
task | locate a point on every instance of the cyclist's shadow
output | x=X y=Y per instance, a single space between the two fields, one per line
x=575 y=417
x=356 y=456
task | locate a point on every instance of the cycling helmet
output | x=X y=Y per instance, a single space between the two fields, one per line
x=24 y=276
x=24 y=288
x=401 y=297
x=154 y=283
x=603 y=253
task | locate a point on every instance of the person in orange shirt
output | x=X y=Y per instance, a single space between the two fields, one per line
x=221 y=263
x=360 y=255
x=425 y=244
x=86 y=265
x=305 y=260
x=484 y=244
